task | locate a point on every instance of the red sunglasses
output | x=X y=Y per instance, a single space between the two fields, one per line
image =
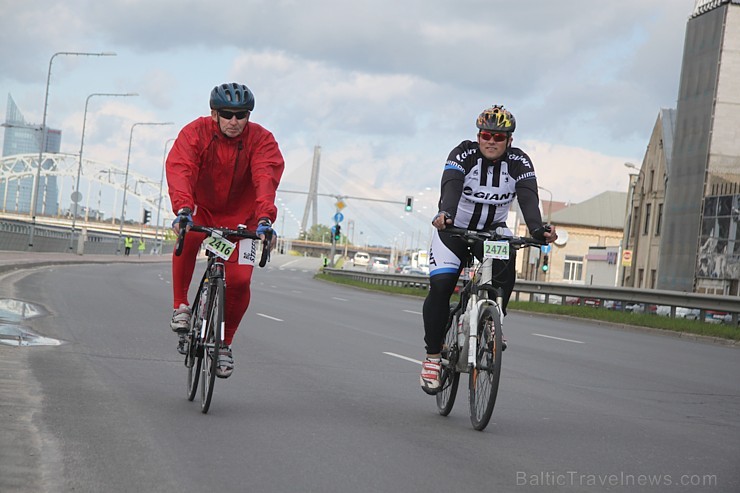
x=497 y=137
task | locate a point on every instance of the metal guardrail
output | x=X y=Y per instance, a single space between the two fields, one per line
x=583 y=295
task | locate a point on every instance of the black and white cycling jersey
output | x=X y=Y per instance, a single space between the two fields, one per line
x=478 y=192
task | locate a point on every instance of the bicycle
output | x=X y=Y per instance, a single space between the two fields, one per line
x=475 y=345
x=206 y=331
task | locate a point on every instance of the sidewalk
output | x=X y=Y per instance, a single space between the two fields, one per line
x=12 y=260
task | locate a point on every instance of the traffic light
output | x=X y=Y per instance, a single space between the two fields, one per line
x=147 y=216
x=545 y=260
x=409 y=204
x=337 y=232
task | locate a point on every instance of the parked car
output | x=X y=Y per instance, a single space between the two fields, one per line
x=715 y=317
x=361 y=259
x=378 y=264
x=641 y=308
x=408 y=270
x=553 y=299
x=681 y=312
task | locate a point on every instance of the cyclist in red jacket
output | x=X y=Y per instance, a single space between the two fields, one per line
x=223 y=170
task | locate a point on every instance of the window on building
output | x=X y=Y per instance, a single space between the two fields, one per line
x=573 y=268
x=658 y=219
x=652 y=178
x=640 y=277
x=646 y=228
x=636 y=222
x=653 y=278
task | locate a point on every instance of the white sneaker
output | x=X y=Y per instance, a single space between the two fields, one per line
x=181 y=318
x=429 y=378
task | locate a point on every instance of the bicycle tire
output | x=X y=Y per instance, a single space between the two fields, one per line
x=212 y=342
x=449 y=377
x=484 y=378
x=194 y=355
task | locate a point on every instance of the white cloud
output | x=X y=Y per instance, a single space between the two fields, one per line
x=386 y=88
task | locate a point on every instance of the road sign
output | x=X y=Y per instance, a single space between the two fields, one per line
x=340 y=205
x=76 y=196
x=338 y=217
x=546 y=248
x=627 y=258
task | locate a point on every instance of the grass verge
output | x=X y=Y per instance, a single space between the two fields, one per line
x=720 y=331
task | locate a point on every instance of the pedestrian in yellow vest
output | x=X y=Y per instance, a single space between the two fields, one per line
x=128 y=242
x=142 y=246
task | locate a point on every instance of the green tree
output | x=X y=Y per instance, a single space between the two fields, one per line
x=319 y=232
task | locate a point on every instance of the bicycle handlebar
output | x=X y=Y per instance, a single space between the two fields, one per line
x=228 y=234
x=472 y=235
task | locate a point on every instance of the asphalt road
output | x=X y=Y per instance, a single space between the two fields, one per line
x=325 y=398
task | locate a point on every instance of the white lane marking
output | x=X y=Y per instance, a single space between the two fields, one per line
x=271 y=318
x=559 y=338
x=403 y=357
x=339 y=299
x=413 y=312
x=288 y=263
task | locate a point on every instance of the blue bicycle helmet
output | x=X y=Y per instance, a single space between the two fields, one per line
x=232 y=96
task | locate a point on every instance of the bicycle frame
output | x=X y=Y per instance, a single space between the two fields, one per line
x=214 y=271
x=481 y=287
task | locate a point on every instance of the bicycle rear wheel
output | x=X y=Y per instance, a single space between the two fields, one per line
x=484 y=378
x=194 y=356
x=449 y=377
x=212 y=342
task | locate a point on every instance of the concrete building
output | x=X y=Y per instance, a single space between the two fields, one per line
x=646 y=205
x=584 y=229
x=699 y=241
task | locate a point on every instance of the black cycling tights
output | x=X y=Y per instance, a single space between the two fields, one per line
x=437 y=303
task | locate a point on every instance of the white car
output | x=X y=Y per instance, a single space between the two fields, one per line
x=361 y=259
x=681 y=312
x=408 y=270
x=378 y=264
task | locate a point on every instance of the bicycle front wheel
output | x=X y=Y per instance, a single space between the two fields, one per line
x=212 y=342
x=484 y=378
x=449 y=377
x=194 y=356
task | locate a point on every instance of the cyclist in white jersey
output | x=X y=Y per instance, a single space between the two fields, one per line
x=479 y=183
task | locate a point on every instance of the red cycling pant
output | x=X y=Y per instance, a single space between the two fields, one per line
x=238 y=278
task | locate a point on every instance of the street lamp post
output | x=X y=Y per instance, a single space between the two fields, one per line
x=549 y=204
x=125 y=179
x=157 y=242
x=42 y=146
x=76 y=194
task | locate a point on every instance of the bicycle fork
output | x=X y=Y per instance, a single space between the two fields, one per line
x=477 y=305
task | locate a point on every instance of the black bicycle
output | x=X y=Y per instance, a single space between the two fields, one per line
x=206 y=331
x=474 y=339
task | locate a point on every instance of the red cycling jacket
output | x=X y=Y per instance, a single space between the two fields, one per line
x=230 y=181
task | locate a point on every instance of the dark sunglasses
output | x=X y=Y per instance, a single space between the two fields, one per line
x=228 y=115
x=497 y=137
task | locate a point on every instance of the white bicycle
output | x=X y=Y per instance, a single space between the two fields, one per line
x=474 y=340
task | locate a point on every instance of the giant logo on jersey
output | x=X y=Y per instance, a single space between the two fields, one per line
x=488 y=196
x=519 y=157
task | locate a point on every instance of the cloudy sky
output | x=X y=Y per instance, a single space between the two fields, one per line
x=386 y=88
